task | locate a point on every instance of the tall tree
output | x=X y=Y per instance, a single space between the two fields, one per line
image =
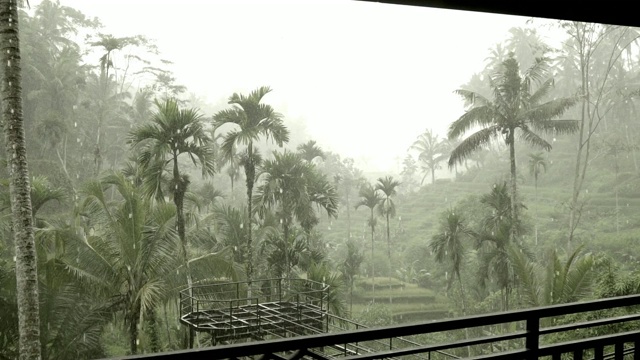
x=591 y=55
x=351 y=268
x=172 y=132
x=431 y=152
x=20 y=189
x=129 y=254
x=310 y=151
x=252 y=120
x=494 y=239
x=370 y=198
x=515 y=108
x=289 y=190
x=409 y=169
x=387 y=207
x=448 y=246
x=537 y=164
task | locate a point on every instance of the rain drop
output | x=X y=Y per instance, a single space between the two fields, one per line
x=241 y=226
x=14 y=259
x=130 y=215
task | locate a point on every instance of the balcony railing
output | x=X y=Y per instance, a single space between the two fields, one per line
x=519 y=334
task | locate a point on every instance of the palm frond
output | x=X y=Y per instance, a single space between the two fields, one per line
x=472 y=143
x=534 y=140
x=485 y=115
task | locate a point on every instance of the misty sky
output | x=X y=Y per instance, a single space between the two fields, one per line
x=365 y=78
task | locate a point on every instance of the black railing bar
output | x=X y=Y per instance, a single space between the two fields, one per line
x=588 y=343
x=578 y=307
x=404 y=329
x=593 y=323
x=257 y=281
x=506 y=355
x=612 y=355
x=442 y=346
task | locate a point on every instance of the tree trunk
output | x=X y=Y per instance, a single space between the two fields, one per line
x=514 y=211
x=388 y=242
x=535 y=179
x=285 y=231
x=250 y=173
x=348 y=217
x=133 y=329
x=19 y=187
x=178 y=199
x=373 y=276
x=433 y=175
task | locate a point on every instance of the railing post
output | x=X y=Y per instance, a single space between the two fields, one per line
x=533 y=337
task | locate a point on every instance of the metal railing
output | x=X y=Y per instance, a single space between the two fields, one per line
x=518 y=334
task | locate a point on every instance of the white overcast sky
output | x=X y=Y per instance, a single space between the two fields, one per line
x=366 y=78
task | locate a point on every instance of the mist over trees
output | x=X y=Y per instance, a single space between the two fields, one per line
x=139 y=189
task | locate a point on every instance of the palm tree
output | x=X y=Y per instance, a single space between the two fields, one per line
x=369 y=197
x=172 y=132
x=310 y=151
x=555 y=282
x=22 y=219
x=431 y=152
x=515 y=108
x=448 y=246
x=537 y=164
x=351 y=268
x=494 y=239
x=292 y=187
x=252 y=120
x=387 y=208
x=126 y=253
x=129 y=256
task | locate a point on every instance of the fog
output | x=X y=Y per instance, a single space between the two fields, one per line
x=195 y=165
x=363 y=79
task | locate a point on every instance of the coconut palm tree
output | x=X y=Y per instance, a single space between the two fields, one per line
x=537 y=165
x=128 y=255
x=252 y=120
x=172 y=132
x=370 y=198
x=431 y=152
x=126 y=251
x=22 y=219
x=387 y=208
x=516 y=108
